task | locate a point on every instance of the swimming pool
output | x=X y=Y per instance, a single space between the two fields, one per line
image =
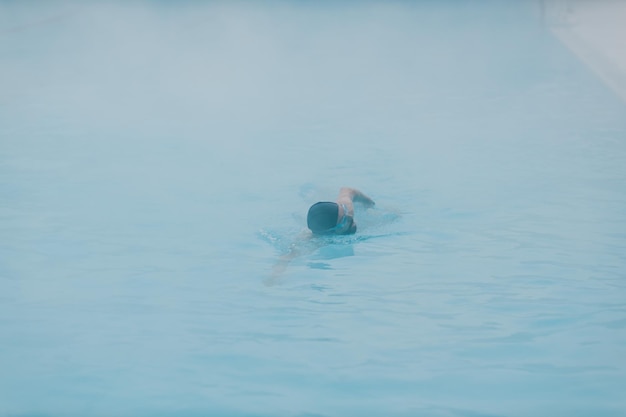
x=157 y=159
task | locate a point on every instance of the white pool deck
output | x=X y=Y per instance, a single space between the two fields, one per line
x=595 y=30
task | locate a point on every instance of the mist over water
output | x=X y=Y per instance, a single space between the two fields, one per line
x=157 y=159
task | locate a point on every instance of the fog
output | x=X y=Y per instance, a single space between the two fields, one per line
x=259 y=65
x=158 y=158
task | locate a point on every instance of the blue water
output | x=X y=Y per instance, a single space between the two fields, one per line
x=157 y=161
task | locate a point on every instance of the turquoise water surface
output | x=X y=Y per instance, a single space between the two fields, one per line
x=156 y=163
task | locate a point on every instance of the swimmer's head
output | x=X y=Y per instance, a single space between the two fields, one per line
x=322 y=217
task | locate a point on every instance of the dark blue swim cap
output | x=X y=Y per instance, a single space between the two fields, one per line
x=322 y=216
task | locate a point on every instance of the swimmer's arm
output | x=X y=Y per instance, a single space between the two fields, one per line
x=285 y=260
x=280 y=267
x=347 y=195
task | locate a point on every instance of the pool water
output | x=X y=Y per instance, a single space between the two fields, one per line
x=157 y=161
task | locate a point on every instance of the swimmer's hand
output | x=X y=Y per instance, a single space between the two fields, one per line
x=357 y=196
x=366 y=201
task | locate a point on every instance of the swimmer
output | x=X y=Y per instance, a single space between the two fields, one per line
x=328 y=218
x=323 y=219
